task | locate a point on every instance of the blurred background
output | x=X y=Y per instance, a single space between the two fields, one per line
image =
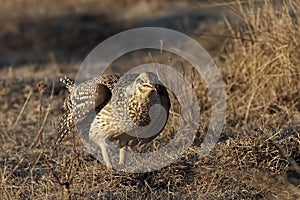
x=65 y=31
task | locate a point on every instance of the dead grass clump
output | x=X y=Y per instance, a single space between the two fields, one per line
x=262 y=67
x=251 y=165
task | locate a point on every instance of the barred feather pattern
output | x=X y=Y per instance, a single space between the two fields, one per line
x=120 y=104
x=80 y=101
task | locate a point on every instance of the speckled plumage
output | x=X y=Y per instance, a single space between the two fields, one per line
x=89 y=95
x=121 y=104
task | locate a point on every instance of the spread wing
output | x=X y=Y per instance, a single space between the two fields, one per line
x=102 y=96
x=84 y=102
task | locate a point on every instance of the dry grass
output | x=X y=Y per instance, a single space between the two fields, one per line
x=257 y=156
x=262 y=68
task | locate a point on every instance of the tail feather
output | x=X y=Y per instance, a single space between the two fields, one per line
x=66 y=125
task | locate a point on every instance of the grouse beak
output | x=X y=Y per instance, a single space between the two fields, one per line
x=149 y=86
x=148 y=89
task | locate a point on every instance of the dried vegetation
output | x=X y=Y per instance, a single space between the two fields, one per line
x=256 y=157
